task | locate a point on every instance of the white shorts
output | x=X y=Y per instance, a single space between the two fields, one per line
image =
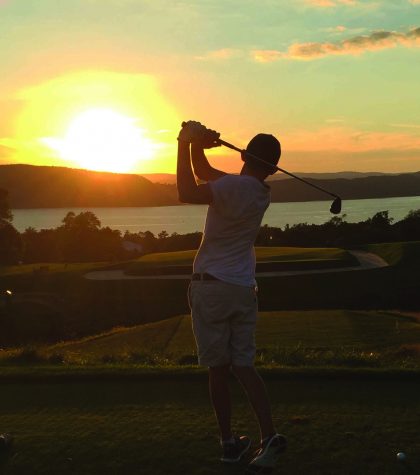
x=224 y=317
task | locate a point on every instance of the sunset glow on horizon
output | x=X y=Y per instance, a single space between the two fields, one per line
x=106 y=85
x=96 y=137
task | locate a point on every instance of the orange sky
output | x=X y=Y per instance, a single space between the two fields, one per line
x=105 y=84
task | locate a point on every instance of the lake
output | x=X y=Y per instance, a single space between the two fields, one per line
x=189 y=218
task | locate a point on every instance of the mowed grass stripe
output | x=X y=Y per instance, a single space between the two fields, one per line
x=263 y=254
x=329 y=329
x=150 y=337
x=167 y=428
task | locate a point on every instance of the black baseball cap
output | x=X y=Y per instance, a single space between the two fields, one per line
x=266 y=147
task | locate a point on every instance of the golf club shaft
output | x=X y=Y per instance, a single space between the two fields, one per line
x=233 y=147
x=229 y=145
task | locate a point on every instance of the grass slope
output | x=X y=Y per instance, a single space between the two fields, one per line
x=292 y=255
x=168 y=428
x=278 y=254
x=50 y=268
x=301 y=338
x=402 y=254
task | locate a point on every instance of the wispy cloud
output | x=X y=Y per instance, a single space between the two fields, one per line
x=220 y=54
x=346 y=139
x=335 y=29
x=406 y=126
x=378 y=40
x=330 y=3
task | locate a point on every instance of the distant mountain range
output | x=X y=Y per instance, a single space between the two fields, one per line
x=58 y=187
x=170 y=178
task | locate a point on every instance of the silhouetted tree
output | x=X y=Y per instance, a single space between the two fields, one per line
x=80 y=239
x=409 y=227
x=10 y=240
x=86 y=221
x=40 y=246
x=10 y=244
x=5 y=212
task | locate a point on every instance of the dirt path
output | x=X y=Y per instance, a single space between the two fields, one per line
x=367 y=260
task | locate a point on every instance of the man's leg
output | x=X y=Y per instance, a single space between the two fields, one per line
x=220 y=398
x=257 y=396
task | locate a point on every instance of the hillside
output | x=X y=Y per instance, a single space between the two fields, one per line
x=58 y=187
x=386 y=186
x=338 y=331
x=328 y=175
x=170 y=178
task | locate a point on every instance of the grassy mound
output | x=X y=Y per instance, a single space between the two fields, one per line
x=402 y=254
x=305 y=338
x=181 y=261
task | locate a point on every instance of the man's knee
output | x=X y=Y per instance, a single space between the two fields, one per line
x=220 y=371
x=242 y=371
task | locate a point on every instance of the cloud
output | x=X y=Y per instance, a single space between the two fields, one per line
x=357 y=45
x=220 y=54
x=391 y=161
x=335 y=29
x=406 y=126
x=347 y=139
x=330 y=3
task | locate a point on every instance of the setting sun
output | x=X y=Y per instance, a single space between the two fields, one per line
x=102 y=139
x=100 y=120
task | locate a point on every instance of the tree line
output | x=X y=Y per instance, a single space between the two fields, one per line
x=81 y=237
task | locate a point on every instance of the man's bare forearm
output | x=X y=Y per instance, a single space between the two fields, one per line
x=188 y=190
x=202 y=167
x=184 y=175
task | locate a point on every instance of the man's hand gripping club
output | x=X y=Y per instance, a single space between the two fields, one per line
x=194 y=132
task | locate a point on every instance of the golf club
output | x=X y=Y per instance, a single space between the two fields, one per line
x=336 y=204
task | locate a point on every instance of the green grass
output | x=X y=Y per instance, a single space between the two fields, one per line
x=398 y=253
x=47 y=268
x=264 y=254
x=58 y=303
x=297 y=338
x=282 y=254
x=168 y=258
x=167 y=427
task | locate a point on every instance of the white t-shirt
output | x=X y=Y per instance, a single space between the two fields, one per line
x=232 y=224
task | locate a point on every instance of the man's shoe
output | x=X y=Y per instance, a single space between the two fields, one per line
x=268 y=455
x=6 y=442
x=233 y=451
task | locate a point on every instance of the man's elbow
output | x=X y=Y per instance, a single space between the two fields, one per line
x=182 y=198
x=194 y=197
x=202 y=173
x=185 y=196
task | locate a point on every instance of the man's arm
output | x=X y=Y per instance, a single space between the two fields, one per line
x=188 y=190
x=202 y=168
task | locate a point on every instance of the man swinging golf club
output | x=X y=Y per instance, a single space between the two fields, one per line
x=222 y=293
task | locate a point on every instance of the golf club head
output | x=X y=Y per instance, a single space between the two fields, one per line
x=336 y=206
